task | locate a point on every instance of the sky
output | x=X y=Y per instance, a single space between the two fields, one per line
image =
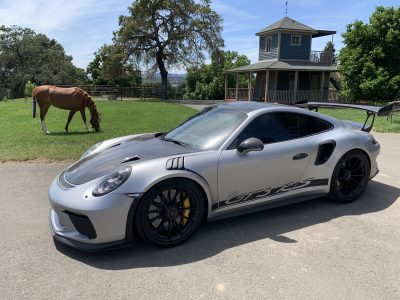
x=83 y=26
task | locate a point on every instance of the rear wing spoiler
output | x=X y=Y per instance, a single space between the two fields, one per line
x=371 y=111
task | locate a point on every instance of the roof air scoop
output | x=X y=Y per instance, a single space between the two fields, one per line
x=129 y=159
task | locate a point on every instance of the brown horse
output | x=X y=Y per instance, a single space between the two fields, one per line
x=73 y=99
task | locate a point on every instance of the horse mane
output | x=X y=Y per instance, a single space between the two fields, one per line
x=88 y=102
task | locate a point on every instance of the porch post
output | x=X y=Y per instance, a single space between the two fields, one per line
x=276 y=84
x=266 y=86
x=226 y=85
x=296 y=83
x=237 y=86
x=250 y=88
x=322 y=86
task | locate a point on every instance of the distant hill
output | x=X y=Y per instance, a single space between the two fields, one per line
x=174 y=79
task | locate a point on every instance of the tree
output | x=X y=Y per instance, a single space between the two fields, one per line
x=370 y=59
x=165 y=33
x=29 y=86
x=111 y=67
x=25 y=55
x=330 y=47
x=208 y=81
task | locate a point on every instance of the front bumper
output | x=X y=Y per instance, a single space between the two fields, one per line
x=89 y=223
x=86 y=247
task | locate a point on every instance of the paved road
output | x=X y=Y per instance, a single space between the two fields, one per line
x=314 y=250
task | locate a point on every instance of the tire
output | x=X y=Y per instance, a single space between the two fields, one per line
x=170 y=212
x=350 y=177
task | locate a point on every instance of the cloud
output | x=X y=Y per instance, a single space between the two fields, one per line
x=52 y=15
x=81 y=26
x=232 y=11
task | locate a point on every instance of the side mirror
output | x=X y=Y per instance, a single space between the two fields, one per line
x=251 y=144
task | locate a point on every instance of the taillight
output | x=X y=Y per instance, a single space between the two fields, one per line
x=374 y=141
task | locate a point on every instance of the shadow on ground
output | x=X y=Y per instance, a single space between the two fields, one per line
x=63 y=133
x=215 y=237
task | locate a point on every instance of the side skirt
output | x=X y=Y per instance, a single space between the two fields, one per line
x=262 y=206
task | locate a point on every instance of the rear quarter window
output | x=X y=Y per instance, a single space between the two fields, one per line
x=309 y=125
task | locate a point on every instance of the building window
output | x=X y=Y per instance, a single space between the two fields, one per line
x=268 y=44
x=295 y=40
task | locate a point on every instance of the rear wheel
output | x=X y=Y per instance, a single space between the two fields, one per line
x=170 y=212
x=350 y=177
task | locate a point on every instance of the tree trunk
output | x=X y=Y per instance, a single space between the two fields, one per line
x=164 y=75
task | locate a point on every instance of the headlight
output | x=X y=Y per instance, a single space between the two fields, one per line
x=91 y=149
x=112 y=181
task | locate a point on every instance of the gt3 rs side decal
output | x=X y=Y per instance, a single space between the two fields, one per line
x=269 y=192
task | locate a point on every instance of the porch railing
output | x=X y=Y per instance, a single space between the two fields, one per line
x=242 y=94
x=321 y=57
x=289 y=96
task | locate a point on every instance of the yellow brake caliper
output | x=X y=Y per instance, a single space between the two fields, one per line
x=186 y=210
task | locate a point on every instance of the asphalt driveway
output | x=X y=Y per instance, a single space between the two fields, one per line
x=316 y=250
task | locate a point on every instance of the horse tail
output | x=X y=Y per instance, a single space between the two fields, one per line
x=34 y=103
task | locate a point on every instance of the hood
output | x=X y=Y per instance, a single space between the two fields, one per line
x=118 y=155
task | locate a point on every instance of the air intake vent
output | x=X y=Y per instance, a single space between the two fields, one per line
x=176 y=163
x=129 y=159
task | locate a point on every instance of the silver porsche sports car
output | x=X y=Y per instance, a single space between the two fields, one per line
x=226 y=160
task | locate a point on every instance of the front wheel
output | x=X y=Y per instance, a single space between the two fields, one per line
x=350 y=177
x=170 y=212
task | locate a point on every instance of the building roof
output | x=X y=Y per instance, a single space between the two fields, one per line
x=292 y=65
x=288 y=24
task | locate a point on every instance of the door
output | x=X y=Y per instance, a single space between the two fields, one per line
x=263 y=175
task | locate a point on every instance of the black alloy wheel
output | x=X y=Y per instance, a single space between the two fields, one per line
x=350 y=177
x=170 y=212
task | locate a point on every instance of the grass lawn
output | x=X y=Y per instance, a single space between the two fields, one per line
x=380 y=124
x=21 y=137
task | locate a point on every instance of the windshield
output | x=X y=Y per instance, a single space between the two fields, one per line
x=207 y=130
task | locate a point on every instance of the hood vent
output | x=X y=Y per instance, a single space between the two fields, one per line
x=176 y=163
x=129 y=159
x=115 y=145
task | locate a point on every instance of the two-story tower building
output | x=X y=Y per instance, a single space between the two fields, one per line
x=287 y=70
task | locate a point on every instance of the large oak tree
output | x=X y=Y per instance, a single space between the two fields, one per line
x=169 y=33
x=370 y=60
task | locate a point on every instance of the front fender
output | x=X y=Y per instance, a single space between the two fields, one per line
x=146 y=175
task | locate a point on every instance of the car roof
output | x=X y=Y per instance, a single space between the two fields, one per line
x=249 y=106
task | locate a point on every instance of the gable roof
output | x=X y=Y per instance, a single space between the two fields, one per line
x=289 y=24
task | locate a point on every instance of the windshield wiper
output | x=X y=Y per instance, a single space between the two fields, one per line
x=175 y=141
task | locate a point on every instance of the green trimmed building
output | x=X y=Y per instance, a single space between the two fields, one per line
x=287 y=70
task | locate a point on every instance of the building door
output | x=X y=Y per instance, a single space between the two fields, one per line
x=315 y=82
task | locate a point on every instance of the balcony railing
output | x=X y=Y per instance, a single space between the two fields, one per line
x=321 y=57
x=288 y=96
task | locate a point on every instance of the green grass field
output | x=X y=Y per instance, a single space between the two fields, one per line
x=380 y=124
x=21 y=137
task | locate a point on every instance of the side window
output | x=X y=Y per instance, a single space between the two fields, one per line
x=281 y=126
x=309 y=125
x=268 y=44
x=270 y=128
x=295 y=40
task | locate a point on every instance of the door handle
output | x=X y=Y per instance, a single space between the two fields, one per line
x=300 y=156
